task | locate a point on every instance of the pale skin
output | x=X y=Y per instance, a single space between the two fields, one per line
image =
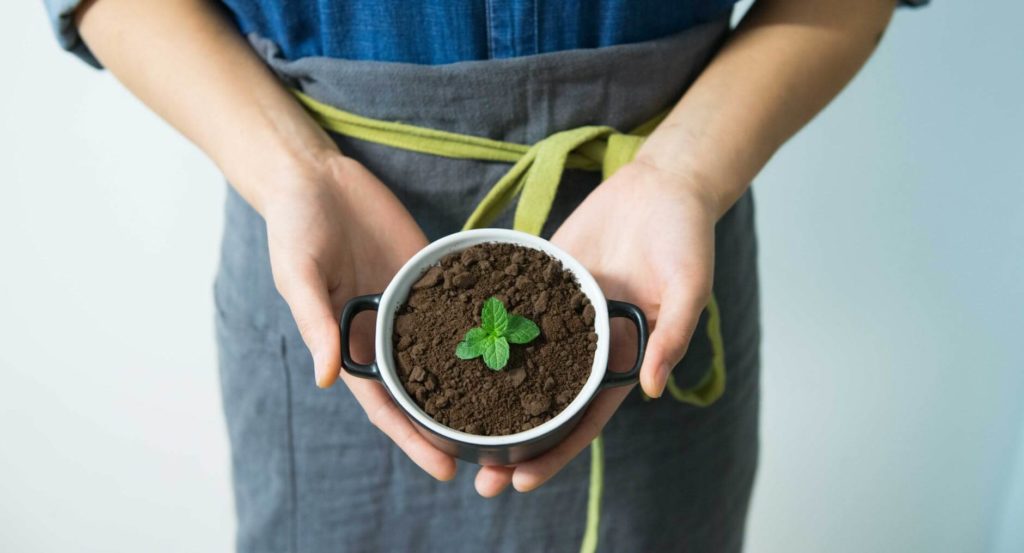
x=336 y=231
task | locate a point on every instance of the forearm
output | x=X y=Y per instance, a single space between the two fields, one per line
x=188 y=63
x=784 y=63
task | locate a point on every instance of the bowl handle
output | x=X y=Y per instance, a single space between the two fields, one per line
x=636 y=315
x=354 y=307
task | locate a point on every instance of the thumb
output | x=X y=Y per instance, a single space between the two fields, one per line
x=681 y=306
x=305 y=291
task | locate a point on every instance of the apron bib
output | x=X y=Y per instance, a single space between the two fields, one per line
x=676 y=476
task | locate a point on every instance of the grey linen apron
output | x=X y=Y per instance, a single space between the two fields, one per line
x=310 y=472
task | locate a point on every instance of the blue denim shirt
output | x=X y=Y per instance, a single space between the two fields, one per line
x=436 y=32
x=432 y=32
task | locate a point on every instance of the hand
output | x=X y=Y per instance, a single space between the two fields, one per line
x=647 y=236
x=335 y=233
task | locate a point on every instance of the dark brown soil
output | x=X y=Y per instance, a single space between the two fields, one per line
x=541 y=377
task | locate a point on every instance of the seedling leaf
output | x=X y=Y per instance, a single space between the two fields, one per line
x=521 y=330
x=473 y=344
x=491 y=339
x=494 y=318
x=496 y=353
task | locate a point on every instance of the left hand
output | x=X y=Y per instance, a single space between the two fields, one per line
x=647 y=235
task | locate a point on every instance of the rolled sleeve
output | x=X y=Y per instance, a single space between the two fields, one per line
x=62 y=19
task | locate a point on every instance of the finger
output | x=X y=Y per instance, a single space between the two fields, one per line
x=305 y=291
x=492 y=480
x=530 y=475
x=681 y=306
x=386 y=416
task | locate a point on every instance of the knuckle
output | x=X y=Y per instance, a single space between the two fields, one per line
x=699 y=291
x=307 y=328
x=286 y=285
x=377 y=415
x=695 y=285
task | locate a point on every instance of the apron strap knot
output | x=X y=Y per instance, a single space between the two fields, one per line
x=536 y=176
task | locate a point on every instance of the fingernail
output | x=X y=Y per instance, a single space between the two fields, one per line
x=662 y=378
x=318 y=373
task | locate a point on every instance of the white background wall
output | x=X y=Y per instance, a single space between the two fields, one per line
x=892 y=233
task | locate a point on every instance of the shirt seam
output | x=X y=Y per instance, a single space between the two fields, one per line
x=490 y=28
x=536 y=27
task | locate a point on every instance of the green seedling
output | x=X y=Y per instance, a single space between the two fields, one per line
x=491 y=339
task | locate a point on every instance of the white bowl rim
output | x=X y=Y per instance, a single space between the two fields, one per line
x=397 y=291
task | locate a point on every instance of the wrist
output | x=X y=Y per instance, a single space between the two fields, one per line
x=716 y=192
x=720 y=161
x=284 y=171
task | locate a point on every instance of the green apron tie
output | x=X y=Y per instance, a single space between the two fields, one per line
x=535 y=176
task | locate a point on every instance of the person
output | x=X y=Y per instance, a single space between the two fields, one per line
x=314 y=218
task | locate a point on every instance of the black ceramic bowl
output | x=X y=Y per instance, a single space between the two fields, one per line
x=489 y=450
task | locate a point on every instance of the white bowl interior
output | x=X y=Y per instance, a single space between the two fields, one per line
x=398 y=290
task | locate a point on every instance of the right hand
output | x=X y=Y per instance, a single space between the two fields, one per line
x=334 y=233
